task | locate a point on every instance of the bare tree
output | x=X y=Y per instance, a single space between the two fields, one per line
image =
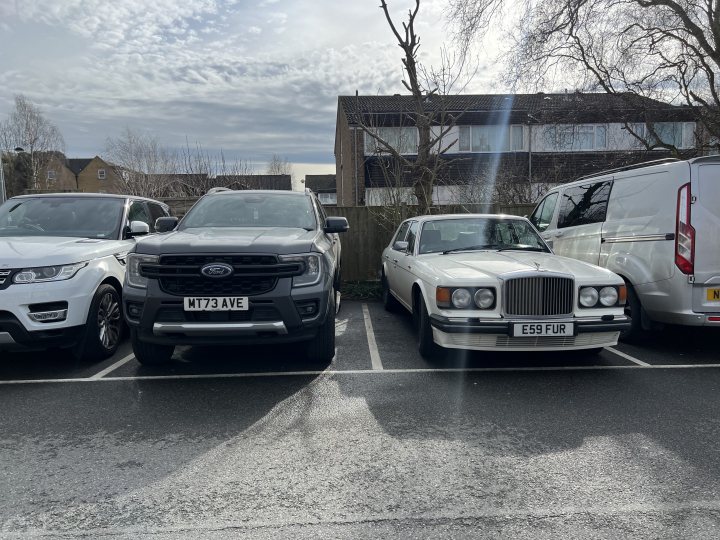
x=428 y=114
x=279 y=165
x=27 y=128
x=142 y=164
x=660 y=49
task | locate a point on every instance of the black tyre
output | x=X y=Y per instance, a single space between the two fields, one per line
x=426 y=344
x=104 y=326
x=390 y=303
x=321 y=348
x=150 y=354
x=633 y=310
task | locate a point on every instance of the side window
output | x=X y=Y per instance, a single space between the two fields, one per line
x=412 y=236
x=402 y=231
x=139 y=212
x=543 y=214
x=156 y=211
x=321 y=212
x=582 y=205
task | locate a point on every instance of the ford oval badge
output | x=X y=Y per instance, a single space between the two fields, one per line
x=216 y=270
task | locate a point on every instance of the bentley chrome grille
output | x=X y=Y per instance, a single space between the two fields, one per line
x=539 y=296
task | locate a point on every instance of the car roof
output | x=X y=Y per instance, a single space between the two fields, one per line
x=436 y=217
x=84 y=195
x=229 y=192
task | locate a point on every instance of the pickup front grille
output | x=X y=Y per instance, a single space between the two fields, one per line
x=252 y=274
x=539 y=296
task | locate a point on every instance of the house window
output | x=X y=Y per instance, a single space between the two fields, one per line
x=464 y=139
x=327 y=198
x=576 y=137
x=51 y=175
x=101 y=174
x=490 y=138
x=670 y=133
x=402 y=139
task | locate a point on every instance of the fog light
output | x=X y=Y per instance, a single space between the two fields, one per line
x=307 y=309
x=49 y=316
x=134 y=310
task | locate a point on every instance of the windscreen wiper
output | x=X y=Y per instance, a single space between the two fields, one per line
x=469 y=248
x=523 y=248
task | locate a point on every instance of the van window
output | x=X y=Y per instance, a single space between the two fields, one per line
x=582 y=205
x=542 y=216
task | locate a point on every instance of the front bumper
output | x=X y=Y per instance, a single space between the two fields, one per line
x=15 y=337
x=272 y=317
x=480 y=334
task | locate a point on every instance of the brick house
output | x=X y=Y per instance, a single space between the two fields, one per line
x=539 y=139
x=95 y=175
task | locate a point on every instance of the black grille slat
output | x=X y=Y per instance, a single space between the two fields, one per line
x=201 y=286
x=5 y=278
x=253 y=274
x=539 y=296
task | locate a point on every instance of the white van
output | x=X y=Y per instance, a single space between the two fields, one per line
x=656 y=224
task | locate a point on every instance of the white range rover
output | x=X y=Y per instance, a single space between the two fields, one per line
x=62 y=264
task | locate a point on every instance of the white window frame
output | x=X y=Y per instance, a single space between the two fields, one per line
x=372 y=146
x=51 y=175
x=101 y=174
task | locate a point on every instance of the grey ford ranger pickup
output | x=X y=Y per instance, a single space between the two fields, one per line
x=242 y=267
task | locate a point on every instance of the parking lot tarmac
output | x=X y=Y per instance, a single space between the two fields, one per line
x=257 y=443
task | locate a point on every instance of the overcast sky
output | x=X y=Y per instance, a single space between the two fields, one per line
x=251 y=77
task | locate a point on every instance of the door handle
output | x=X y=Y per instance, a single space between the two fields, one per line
x=395 y=261
x=558 y=234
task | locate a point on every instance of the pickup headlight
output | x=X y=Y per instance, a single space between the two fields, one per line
x=134 y=260
x=600 y=297
x=48 y=273
x=313 y=268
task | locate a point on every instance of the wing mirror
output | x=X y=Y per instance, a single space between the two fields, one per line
x=336 y=225
x=137 y=228
x=400 y=246
x=166 y=224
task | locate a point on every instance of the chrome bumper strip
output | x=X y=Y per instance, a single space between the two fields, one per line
x=214 y=329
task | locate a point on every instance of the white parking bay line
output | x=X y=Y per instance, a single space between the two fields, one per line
x=113 y=367
x=370 y=372
x=372 y=344
x=628 y=357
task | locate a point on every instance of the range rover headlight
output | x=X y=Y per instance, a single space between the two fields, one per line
x=461 y=298
x=134 y=260
x=44 y=274
x=484 y=298
x=588 y=297
x=608 y=296
x=313 y=268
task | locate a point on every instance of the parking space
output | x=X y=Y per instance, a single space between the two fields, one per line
x=368 y=339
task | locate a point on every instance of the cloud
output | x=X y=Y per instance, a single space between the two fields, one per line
x=253 y=82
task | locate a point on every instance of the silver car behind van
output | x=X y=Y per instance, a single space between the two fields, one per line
x=656 y=224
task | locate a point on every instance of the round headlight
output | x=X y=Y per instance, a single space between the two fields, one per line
x=608 y=296
x=588 y=296
x=461 y=298
x=484 y=298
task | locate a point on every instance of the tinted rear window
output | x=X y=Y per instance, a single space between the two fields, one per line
x=582 y=205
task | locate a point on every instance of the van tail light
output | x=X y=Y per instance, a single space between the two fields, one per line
x=684 y=233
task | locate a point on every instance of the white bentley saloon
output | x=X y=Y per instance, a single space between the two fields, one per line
x=489 y=282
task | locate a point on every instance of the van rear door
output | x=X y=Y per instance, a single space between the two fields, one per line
x=705 y=219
